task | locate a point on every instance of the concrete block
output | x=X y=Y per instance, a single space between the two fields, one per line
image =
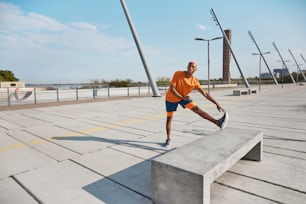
x=252 y=91
x=184 y=175
x=239 y=92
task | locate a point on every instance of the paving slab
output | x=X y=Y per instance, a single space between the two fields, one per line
x=275 y=169
x=221 y=194
x=287 y=144
x=285 y=152
x=257 y=187
x=43 y=115
x=48 y=131
x=44 y=146
x=272 y=123
x=17 y=157
x=108 y=192
x=136 y=177
x=12 y=193
x=138 y=150
x=65 y=186
x=21 y=120
x=108 y=161
x=8 y=125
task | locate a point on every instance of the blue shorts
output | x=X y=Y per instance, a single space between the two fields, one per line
x=172 y=106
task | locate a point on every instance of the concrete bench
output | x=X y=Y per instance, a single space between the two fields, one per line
x=185 y=174
x=252 y=91
x=239 y=92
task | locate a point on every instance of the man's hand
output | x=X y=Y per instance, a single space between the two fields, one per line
x=185 y=98
x=220 y=109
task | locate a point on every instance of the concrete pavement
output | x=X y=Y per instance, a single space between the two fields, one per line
x=101 y=152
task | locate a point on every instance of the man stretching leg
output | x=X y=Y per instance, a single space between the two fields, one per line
x=182 y=83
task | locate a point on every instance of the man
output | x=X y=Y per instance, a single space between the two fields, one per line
x=183 y=82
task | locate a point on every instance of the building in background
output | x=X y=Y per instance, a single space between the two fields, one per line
x=227 y=57
x=12 y=84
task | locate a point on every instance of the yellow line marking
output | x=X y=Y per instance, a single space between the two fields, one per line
x=17 y=145
x=13 y=146
x=37 y=142
x=86 y=131
x=3 y=149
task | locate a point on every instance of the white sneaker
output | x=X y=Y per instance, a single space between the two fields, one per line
x=223 y=121
x=167 y=143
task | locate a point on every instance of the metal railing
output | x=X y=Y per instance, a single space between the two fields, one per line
x=18 y=96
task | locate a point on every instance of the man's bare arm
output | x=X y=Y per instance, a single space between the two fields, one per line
x=210 y=98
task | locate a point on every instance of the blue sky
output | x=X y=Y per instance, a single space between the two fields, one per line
x=76 y=41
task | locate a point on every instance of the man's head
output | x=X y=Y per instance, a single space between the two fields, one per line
x=192 y=67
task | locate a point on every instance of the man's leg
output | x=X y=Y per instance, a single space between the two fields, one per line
x=221 y=123
x=205 y=115
x=170 y=108
x=168 y=126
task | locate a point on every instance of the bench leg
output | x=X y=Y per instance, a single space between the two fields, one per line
x=255 y=154
x=206 y=192
x=171 y=185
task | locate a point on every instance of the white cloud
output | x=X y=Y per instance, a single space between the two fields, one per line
x=201 y=27
x=13 y=19
x=31 y=30
x=37 y=48
x=84 y=26
x=40 y=22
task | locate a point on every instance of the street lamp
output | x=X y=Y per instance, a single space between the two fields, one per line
x=283 y=67
x=208 y=59
x=260 y=66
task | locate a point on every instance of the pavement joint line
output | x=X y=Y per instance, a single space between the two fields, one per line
x=112 y=126
x=77 y=133
x=250 y=193
x=26 y=190
x=282 y=138
x=43 y=141
x=3 y=127
x=134 y=133
x=109 y=178
x=283 y=155
x=265 y=181
x=34 y=144
x=134 y=155
x=33 y=117
x=293 y=150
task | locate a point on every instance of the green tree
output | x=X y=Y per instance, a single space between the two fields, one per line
x=7 y=75
x=120 y=83
x=163 y=81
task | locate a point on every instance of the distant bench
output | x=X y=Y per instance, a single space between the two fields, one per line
x=185 y=174
x=239 y=92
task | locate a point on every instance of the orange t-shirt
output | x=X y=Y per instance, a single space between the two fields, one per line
x=183 y=85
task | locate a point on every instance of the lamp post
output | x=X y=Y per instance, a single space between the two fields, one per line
x=208 y=58
x=259 y=86
x=283 y=67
